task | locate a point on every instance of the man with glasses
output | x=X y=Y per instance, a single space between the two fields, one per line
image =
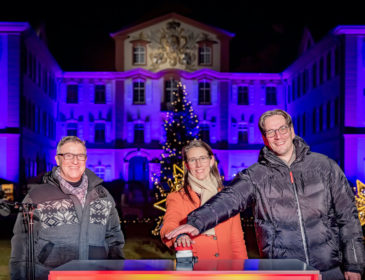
x=303 y=205
x=75 y=218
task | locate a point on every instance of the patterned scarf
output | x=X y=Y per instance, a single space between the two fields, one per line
x=205 y=189
x=79 y=192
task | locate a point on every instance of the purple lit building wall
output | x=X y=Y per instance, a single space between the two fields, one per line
x=120 y=114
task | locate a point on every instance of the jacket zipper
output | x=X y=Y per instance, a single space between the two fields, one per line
x=353 y=248
x=300 y=219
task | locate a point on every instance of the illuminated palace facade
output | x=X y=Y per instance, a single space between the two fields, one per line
x=120 y=114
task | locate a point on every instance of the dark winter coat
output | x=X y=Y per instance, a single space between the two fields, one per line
x=64 y=230
x=304 y=212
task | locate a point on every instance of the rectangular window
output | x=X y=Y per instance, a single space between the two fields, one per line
x=44 y=123
x=299 y=87
x=72 y=94
x=329 y=65
x=100 y=133
x=204 y=133
x=139 y=134
x=30 y=65
x=321 y=118
x=321 y=71
x=337 y=61
x=298 y=125
x=328 y=119
x=271 y=96
x=242 y=134
x=139 y=54
x=39 y=75
x=170 y=88
x=204 y=93
x=100 y=171
x=34 y=64
x=72 y=129
x=337 y=112
x=99 y=97
x=314 y=127
x=205 y=55
x=305 y=81
x=138 y=93
x=314 y=75
x=242 y=98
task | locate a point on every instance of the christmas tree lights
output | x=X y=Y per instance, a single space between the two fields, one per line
x=181 y=126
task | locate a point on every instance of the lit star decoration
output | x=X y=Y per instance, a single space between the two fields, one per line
x=360 y=200
x=181 y=126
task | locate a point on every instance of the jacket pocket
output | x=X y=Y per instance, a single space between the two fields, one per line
x=45 y=252
x=97 y=253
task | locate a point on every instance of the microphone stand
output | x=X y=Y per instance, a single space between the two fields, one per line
x=27 y=210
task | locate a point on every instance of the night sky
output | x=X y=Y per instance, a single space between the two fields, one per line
x=267 y=35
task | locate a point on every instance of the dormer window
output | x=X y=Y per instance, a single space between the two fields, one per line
x=139 y=54
x=205 y=55
x=139 y=49
x=205 y=51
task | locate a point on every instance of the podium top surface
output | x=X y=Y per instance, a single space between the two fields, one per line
x=172 y=265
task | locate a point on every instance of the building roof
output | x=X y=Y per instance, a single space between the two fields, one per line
x=156 y=20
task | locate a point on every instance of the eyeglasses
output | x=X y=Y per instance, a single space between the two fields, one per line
x=272 y=132
x=202 y=159
x=69 y=156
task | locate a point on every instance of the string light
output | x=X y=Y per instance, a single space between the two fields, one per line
x=181 y=126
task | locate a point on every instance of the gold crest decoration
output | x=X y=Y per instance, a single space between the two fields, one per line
x=175 y=185
x=360 y=200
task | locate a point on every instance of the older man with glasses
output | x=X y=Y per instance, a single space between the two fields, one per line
x=75 y=218
x=303 y=205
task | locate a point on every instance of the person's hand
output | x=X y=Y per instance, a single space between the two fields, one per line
x=192 y=231
x=352 y=275
x=183 y=240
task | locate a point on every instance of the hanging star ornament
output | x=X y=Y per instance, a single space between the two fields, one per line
x=178 y=175
x=360 y=201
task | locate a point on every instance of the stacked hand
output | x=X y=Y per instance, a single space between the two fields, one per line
x=183 y=240
x=185 y=231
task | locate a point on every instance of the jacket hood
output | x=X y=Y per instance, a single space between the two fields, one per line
x=267 y=156
x=50 y=178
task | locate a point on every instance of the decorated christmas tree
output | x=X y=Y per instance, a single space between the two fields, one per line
x=181 y=126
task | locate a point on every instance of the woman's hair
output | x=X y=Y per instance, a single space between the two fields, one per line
x=213 y=170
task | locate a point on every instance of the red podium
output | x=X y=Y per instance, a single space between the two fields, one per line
x=162 y=269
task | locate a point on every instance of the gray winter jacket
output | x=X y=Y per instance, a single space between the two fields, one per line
x=304 y=212
x=65 y=231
